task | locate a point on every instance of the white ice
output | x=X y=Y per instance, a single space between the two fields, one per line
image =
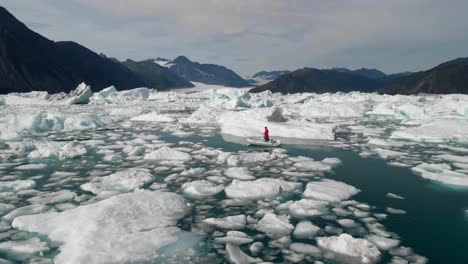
x=124 y=228
x=329 y=191
x=201 y=189
x=274 y=226
x=167 y=153
x=119 y=182
x=260 y=189
x=348 y=249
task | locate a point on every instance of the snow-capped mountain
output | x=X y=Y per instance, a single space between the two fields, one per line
x=264 y=77
x=163 y=62
x=204 y=73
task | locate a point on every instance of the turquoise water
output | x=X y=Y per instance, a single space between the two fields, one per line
x=435 y=226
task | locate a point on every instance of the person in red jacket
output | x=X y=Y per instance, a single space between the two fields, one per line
x=266 y=135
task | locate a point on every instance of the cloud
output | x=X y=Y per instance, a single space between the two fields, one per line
x=273 y=34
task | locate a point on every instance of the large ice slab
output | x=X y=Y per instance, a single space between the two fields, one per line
x=122 y=229
x=260 y=189
x=119 y=182
x=13 y=124
x=201 y=189
x=167 y=153
x=57 y=150
x=329 y=191
x=441 y=173
x=251 y=123
x=348 y=249
x=436 y=131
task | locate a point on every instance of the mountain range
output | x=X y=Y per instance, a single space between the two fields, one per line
x=204 y=73
x=448 y=77
x=31 y=62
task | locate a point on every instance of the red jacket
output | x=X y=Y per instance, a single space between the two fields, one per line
x=267 y=135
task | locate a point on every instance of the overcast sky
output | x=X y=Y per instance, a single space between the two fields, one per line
x=252 y=35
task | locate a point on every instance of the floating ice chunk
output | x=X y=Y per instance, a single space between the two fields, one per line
x=441 y=173
x=436 y=131
x=133 y=151
x=240 y=173
x=260 y=189
x=236 y=256
x=308 y=208
x=53 y=197
x=153 y=117
x=57 y=150
x=304 y=248
x=235 y=222
x=193 y=172
x=274 y=226
x=15 y=186
x=305 y=230
x=395 y=211
x=113 y=158
x=80 y=95
x=329 y=191
x=167 y=153
x=383 y=243
x=256 y=247
x=31 y=167
x=348 y=223
x=200 y=189
x=5 y=208
x=452 y=158
x=348 y=249
x=235 y=238
x=255 y=157
x=109 y=231
x=395 y=196
x=43 y=122
x=110 y=95
x=119 y=182
x=26 y=210
x=250 y=123
x=24 y=249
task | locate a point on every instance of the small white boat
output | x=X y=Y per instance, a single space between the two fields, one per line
x=263 y=143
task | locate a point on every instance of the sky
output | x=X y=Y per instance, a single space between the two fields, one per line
x=253 y=35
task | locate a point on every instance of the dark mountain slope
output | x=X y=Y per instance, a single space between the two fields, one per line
x=156 y=76
x=449 y=77
x=206 y=73
x=318 y=81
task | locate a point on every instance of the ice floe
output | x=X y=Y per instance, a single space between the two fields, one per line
x=348 y=249
x=124 y=228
